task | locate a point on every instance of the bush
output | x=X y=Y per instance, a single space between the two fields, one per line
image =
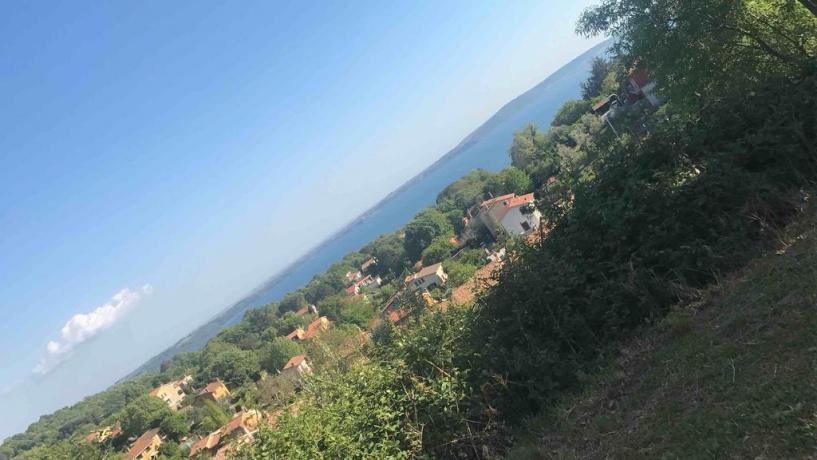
x=439 y=249
x=570 y=112
x=657 y=217
x=275 y=354
x=458 y=272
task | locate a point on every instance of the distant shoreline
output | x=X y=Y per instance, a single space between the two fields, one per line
x=223 y=317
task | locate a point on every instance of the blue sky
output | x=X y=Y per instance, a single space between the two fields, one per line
x=157 y=163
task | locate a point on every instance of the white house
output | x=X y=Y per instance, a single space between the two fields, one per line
x=515 y=214
x=433 y=275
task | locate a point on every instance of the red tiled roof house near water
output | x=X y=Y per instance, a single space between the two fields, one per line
x=511 y=213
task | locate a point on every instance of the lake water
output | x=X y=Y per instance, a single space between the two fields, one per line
x=489 y=151
x=487 y=148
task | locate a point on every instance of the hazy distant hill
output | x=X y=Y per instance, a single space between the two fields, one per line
x=486 y=147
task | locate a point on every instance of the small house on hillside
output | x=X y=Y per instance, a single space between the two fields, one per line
x=298 y=334
x=514 y=214
x=353 y=276
x=604 y=105
x=145 y=447
x=214 y=391
x=306 y=309
x=172 y=393
x=238 y=430
x=317 y=326
x=295 y=368
x=206 y=445
x=367 y=281
x=105 y=434
x=367 y=265
x=312 y=330
x=433 y=275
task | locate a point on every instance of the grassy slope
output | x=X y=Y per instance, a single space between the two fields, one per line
x=733 y=375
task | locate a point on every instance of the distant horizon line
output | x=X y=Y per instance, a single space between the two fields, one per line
x=389 y=196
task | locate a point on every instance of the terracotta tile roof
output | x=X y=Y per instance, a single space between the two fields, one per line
x=212 y=386
x=142 y=443
x=600 y=104
x=499 y=199
x=206 y=443
x=294 y=361
x=639 y=76
x=233 y=424
x=484 y=277
x=395 y=316
x=499 y=206
x=297 y=334
x=302 y=311
x=521 y=200
x=315 y=326
x=224 y=452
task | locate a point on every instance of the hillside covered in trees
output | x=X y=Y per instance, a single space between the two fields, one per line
x=644 y=208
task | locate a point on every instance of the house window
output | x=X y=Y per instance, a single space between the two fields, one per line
x=525 y=226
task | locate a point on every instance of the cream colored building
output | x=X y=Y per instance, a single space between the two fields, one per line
x=172 y=393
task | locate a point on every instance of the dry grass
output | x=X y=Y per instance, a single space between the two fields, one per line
x=732 y=375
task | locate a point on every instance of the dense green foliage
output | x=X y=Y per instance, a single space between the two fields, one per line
x=637 y=218
x=660 y=214
x=87 y=413
x=277 y=352
x=423 y=229
x=729 y=366
x=593 y=87
x=702 y=51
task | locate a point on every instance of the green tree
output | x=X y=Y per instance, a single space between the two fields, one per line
x=702 y=51
x=571 y=111
x=526 y=146
x=344 y=309
x=236 y=367
x=390 y=253
x=142 y=414
x=458 y=272
x=591 y=88
x=422 y=229
x=439 y=249
x=464 y=192
x=275 y=354
x=509 y=180
x=175 y=425
x=292 y=301
x=170 y=450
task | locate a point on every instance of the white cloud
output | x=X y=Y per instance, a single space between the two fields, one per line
x=83 y=326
